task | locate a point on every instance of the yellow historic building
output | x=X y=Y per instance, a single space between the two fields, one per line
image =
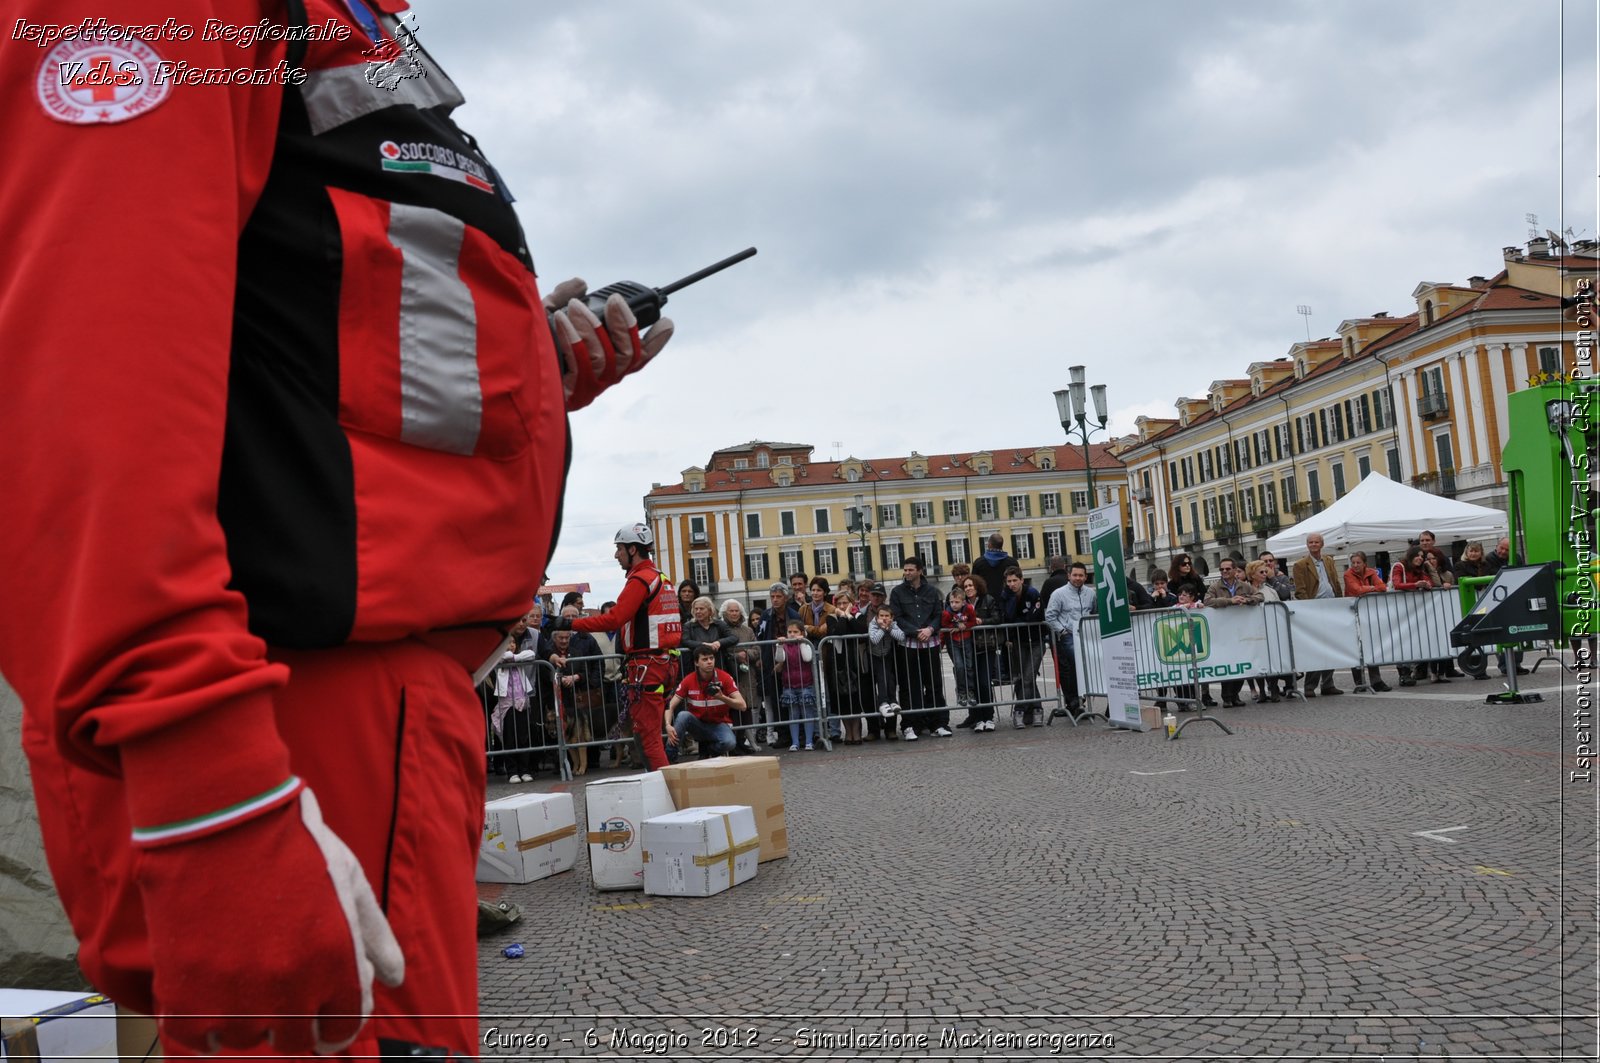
x=759 y=511
x=1420 y=398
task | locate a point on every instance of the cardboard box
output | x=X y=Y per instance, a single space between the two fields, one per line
x=527 y=837
x=700 y=852
x=752 y=781
x=617 y=809
x=43 y=1025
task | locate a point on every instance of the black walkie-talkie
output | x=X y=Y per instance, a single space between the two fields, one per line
x=646 y=302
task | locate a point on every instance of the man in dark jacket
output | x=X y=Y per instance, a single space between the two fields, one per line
x=993 y=564
x=1056 y=580
x=1024 y=649
x=917 y=606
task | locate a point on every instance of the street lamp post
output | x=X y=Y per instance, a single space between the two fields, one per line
x=1069 y=404
x=861 y=524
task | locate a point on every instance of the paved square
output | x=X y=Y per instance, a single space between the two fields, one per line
x=1114 y=894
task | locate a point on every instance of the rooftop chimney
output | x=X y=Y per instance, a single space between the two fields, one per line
x=1381 y=313
x=1478 y=282
x=1538 y=247
x=1585 y=247
x=1512 y=253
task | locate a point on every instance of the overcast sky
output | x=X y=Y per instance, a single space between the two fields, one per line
x=955 y=201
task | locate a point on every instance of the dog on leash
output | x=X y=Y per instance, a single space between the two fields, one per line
x=577 y=734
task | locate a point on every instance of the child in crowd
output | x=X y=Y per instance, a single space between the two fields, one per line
x=797 y=685
x=881 y=638
x=959 y=619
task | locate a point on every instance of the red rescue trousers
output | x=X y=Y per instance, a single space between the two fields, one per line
x=645 y=684
x=390 y=737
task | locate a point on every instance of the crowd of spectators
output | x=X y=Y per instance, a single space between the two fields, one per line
x=757 y=678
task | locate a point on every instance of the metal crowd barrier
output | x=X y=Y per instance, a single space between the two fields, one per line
x=516 y=738
x=998 y=667
x=1407 y=628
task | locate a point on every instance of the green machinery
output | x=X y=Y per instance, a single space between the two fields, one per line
x=1552 y=466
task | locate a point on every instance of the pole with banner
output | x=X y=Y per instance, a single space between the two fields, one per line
x=1116 y=626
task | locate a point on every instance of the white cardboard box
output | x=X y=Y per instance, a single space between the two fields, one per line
x=699 y=852
x=527 y=837
x=49 y=1026
x=617 y=808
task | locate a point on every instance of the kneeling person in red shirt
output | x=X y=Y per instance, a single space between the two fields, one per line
x=709 y=693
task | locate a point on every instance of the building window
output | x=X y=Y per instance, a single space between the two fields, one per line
x=1363 y=467
x=1050 y=502
x=1314 y=485
x=1080 y=540
x=987 y=508
x=826 y=559
x=852 y=474
x=1289 y=495
x=697 y=530
x=789 y=562
x=1177 y=520
x=893 y=556
x=763 y=459
x=741 y=463
x=1055 y=544
x=1194 y=519
x=1338 y=480
x=1080 y=501
x=1445 y=451
x=1020 y=506
x=889 y=516
x=786 y=523
x=922 y=513
x=1432 y=380
x=1211 y=513
x=755 y=567
x=858 y=560
x=1022 y=546
x=955 y=510
x=752 y=525
x=1392 y=459
x=1550 y=360
x=700 y=572
x=956 y=551
x=1047 y=463
x=822 y=521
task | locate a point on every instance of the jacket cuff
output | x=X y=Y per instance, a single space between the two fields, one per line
x=207 y=773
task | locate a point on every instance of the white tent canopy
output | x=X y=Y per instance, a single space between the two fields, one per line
x=1382 y=513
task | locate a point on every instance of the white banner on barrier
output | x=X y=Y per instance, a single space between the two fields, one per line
x=1179 y=646
x=1203 y=644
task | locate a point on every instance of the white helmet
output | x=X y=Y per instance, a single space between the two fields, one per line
x=636 y=534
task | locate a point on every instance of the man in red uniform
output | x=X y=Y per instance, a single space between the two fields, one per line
x=284 y=457
x=709 y=693
x=648 y=627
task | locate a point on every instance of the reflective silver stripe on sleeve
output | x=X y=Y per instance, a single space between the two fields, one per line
x=342 y=94
x=441 y=398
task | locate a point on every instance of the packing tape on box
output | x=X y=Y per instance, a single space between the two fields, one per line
x=549 y=836
x=610 y=837
x=753 y=845
x=715 y=778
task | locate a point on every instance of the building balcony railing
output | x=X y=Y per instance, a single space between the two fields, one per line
x=1143 y=548
x=1264 y=524
x=1442 y=483
x=1432 y=404
x=1142 y=494
x=1226 y=531
x=1308 y=507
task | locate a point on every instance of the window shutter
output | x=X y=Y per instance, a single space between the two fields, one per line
x=933 y=552
x=883 y=556
x=899 y=515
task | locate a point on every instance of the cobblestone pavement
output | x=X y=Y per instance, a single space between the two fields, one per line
x=1264 y=894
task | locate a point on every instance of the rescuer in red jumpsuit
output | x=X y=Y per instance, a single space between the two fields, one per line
x=649 y=626
x=285 y=447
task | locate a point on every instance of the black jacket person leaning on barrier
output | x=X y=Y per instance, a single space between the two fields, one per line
x=917 y=606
